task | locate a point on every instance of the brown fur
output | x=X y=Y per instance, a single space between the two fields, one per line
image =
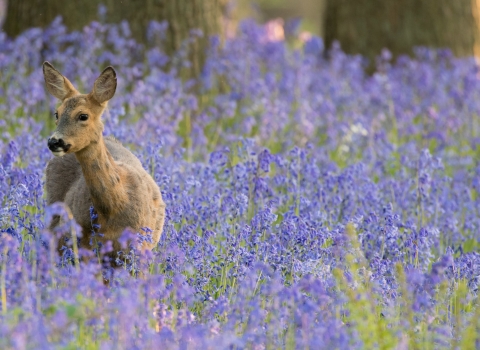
x=99 y=171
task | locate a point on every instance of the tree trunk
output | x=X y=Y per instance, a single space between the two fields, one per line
x=182 y=16
x=368 y=26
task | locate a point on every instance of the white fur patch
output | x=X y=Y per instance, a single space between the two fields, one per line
x=58 y=153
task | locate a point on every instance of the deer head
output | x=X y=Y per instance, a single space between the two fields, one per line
x=78 y=116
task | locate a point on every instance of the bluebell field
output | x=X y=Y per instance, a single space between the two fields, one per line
x=309 y=205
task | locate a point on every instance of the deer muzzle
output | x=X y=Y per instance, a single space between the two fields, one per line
x=58 y=146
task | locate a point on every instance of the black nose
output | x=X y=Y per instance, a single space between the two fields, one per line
x=54 y=144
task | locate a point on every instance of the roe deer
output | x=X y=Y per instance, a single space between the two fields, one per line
x=92 y=170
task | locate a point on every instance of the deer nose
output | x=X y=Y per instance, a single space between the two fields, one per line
x=54 y=144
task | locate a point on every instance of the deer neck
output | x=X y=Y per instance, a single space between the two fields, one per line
x=103 y=177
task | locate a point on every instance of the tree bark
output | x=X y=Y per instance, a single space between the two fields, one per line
x=182 y=16
x=368 y=26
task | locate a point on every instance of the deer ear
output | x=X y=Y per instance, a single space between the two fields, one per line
x=105 y=85
x=57 y=84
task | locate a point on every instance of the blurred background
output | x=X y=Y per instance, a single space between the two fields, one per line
x=360 y=26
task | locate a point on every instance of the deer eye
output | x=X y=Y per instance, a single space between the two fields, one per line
x=56 y=115
x=83 y=117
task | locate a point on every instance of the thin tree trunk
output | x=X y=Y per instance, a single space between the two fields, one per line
x=3 y=11
x=368 y=26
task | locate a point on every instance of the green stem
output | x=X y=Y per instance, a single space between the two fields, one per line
x=3 y=276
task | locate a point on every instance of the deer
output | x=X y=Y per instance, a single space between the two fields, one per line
x=91 y=170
